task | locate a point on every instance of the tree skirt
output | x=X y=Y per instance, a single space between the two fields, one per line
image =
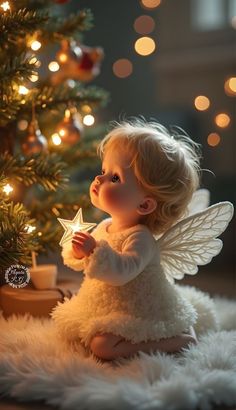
x=34 y=365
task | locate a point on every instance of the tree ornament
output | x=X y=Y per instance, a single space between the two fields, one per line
x=70 y=129
x=34 y=142
x=77 y=224
x=77 y=62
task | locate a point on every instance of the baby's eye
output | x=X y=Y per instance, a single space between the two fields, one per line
x=115 y=178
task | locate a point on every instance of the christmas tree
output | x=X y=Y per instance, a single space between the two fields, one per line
x=45 y=99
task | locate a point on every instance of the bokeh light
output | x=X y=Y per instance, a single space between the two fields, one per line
x=35 y=45
x=145 y=46
x=23 y=90
x=213 y=139
x=144 y=24
x=22 y=125
x=88 y=120
x=56 y=139
x=222 y=120
x=202 y=103
x=53 y=66
x=122 y=68
x=150 y=4
x=230 y=86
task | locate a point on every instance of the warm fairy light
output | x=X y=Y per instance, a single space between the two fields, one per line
x=7 y=189
x=71 y=83
x=30 y=228
x=86 y=108
x=56 y=139
x=53 y=66
x=122 y=68
x=39 y=233
x=88 y=120
x=145 y=46
x=33 y=60
x=62 y=57
x=62 y=132
x=213 y=139
x=150 y=4
x=35 y=45
x=22 y=125
x=5 y=6
x=144 y=24
x=202 y=103
x=23 y=90
x=67 y=113
x=34 y=78
x=230 y=86
x=222 y=120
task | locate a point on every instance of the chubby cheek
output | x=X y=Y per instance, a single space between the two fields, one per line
x=116 y=197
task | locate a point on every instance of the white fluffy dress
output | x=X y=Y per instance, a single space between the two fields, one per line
x=35 y=365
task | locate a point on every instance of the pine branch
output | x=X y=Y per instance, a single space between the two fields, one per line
x=18 y=24
x=15 y=70
x=49 y=98
x=52 y=97
x=44 y=169
x=73 y=24
x=15 y=242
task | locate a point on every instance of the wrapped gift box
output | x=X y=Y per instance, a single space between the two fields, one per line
x=36 y=302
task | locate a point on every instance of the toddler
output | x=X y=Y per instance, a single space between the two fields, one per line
x=125 y=303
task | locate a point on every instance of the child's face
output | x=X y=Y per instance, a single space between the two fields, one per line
x=116 y=190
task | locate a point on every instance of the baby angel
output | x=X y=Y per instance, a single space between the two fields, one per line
x=128 y=301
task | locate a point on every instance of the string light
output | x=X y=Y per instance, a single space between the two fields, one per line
x=86 y=108
x=53 y=66
x=145 y=46
x=202 y=103
x=5 y=6
x=22 y=125
x=7 y=189
x=88 y=120
x=35 y=45
x=56 y=139
x=23 y=90
x=30 y=228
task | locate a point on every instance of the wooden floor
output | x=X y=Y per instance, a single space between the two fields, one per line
x=214 y=282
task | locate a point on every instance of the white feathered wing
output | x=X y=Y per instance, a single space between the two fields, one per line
x=192 y=241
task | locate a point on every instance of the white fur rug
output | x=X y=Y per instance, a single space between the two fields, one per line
x=35 y=366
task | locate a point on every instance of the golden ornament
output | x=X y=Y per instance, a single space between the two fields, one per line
x=34 y=142
x=70 y=128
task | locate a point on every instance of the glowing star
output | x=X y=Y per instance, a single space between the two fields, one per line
x=77 y=224
x=5 y=6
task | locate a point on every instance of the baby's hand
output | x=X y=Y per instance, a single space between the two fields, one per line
x=83 y=244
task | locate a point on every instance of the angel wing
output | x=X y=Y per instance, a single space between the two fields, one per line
x=200 y=200
x=192 y=241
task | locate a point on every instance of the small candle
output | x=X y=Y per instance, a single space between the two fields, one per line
x=43 y=276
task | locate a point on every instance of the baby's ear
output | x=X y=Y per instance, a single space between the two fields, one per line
x=147 y=206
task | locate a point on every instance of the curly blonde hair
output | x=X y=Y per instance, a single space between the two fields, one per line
x=166 y=167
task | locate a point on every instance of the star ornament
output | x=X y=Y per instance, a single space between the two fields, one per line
x=77 y=224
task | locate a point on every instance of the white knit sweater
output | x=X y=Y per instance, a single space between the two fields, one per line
x=125 y=292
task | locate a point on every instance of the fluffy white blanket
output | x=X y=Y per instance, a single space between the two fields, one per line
x=35 y=366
